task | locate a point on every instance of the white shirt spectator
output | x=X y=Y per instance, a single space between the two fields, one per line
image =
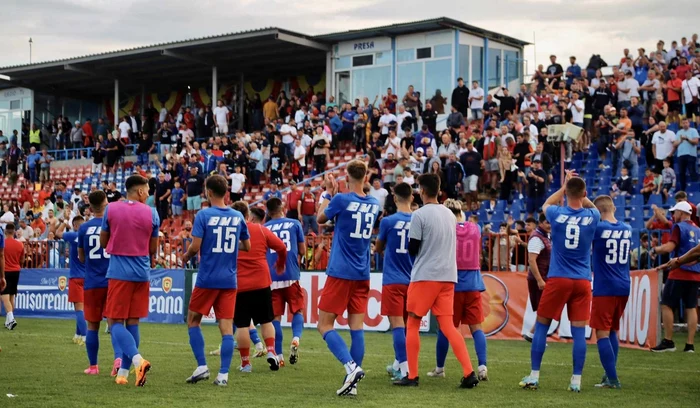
x=299 y=118
x=632 y=85
x=664 y=143
x=287 y=133
x=300 y=155
x=417 y=164
x=124 y=129
x=400 y=117
x=690 y=89
x=237 y=181
x=221 y=114
x=306 y=141
x=384 y=121
x=576 y=115
x=477 y=103
x=163 y=114
x=380 y=194
x=526 y=104
x=392 y=146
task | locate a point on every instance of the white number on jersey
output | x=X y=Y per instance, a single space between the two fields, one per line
x=403 y=247
x=96 y=251
x=572 y=235
x=286 y=237
x=612 y=256
x=225 y=240
x=360 y=232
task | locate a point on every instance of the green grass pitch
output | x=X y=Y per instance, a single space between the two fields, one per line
x=41 y=366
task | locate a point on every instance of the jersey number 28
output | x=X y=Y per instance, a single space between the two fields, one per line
x=96 y=251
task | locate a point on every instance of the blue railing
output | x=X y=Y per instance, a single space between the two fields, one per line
x=86 y=152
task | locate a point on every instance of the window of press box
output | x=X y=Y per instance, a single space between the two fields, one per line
x=422 y=53
x=362 y=60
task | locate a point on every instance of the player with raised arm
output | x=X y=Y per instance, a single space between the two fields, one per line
x=467 y=299
x=130 y=236
x=393 y=243
x=433 y=242
x=77 y=279
x=218 y=233
x=347 y=284
x=286 y=290
x=96 y=261
x=569 y=280
x=611 y=285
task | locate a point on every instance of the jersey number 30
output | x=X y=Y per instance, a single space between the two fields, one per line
x=623 y=249
x=225 y=240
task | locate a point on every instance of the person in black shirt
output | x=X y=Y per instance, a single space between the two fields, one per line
x=601 y=98
x=471 y=161
x=162 y=193
x=554 y=72
x=97 y=158
x=194 y=189
x=460 y=97
x=536 y=187
x=277 y=165
x=429 y=117
x=112 y=154
x=507 y=102
x=144 y=150
x=112 y=193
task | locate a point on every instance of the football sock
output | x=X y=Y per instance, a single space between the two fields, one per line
x=117 y=349
x=122 y=337
x=254 y=336
x=579 y=351
x=92 y=345
x=297 y=325
x=197 y=345
x=337 y=346
x=607 y=358
x=134 y=330
x=279 y=336
x=395 y=364
x=457 y=342
x=357 y=348
x=80 y=322
x=539 y=345
x=226 y=354
x=123 y=372
x=412 y=346
x=270 y=345
x=137 y=360
x=245 y=356
x=399 y=344
x=614 y=343
x=480 y=346
x=441 y=348
x=9 y=317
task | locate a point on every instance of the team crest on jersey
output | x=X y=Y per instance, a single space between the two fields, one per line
x=692 y=234
x=167 y=284
x=62 y=283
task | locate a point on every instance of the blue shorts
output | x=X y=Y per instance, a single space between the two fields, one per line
x=177 y=209
x=194 y=203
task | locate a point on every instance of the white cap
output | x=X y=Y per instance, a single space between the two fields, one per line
x=420 y=149
x=682 y=206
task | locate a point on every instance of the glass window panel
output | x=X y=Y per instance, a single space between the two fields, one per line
x=343 y=63
x=382 y=58
x=423 y=53
x=410 y=74
x=438 y=75
x=370 y=82
x=26 y=103
x=494 y=78
x=443 y=50
x=511 y=65
x=406 y=55
x=464 y=62
x=362 y=60
x=15 y=104
x=477 y=63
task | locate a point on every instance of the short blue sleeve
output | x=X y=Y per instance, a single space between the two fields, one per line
x=2 y=238
x=383 y=229
x=105 y=220
x=199 y=225
x=156 y=223
x=552 y=213
x=300 y=232
x=70 y=236
x=334 y=208
x=244 y=230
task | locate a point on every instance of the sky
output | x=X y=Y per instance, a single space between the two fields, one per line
x=70 y=28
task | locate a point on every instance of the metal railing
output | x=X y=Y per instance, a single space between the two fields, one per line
x=86 y=152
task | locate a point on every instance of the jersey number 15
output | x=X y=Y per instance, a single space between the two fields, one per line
x=225 y=240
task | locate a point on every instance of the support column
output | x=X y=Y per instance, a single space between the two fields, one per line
x=80 y=111
x=241 y=104
x=214 y=86
x=329 y=74
x=116 y=103
x=485 y=64
x=143 y=99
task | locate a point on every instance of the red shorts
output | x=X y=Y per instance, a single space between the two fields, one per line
x=559 y=292
x=607 y=311
x=95 y=303
x=292 y=296
x=75 y=290
x=394 y=300
x=425 y=296
x=339 y=295
x=127 y=299
x=467 y=308
x=222 y=300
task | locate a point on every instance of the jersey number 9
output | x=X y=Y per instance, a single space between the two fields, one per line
x=572 y=234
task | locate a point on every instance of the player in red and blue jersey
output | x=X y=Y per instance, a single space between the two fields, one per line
x=77 y=278
x=569 y=278
x=347 y=285
x=96 y=261
x=286 y=290
x=130 y=236
x=611 y=285
x=467 y=301
x=218 y=233
x=398 y=263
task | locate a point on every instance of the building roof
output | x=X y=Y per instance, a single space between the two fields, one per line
x=419 y=26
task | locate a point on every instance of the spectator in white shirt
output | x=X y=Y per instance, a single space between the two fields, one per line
x=163 y=115
x=476 y=101
x=392 y=144
x=385 y=121
x=237 y=182
x=124 y=128
x=400 y=117
x=301 y=116
x=690 y=87
x=626 y=90
x=379 y=192
x=662 y=146
x=288 y=131
x=221 y=118
x=577 y=109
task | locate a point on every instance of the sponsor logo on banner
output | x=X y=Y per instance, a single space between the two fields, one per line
x=167 y=284
x=167 y=296
x=62 y=283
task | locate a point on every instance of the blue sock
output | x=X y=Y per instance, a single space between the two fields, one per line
x=226 y=353
x=441 y=348
x=117 y=349
x=297 y=324
x=480 y=346
x=134 y=330
x=77 y=330
x=539 y=344
x=399 y=344
x=337 y=346
x=357 y=348
x=254 y=336
x=197 y=344
x=607 y=358
x=92 y=345
x=614 y=343
x=80 y=323
x=579 y=352
x=279 y=336
x=122 y=337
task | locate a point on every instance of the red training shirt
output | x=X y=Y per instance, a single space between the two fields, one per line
x=14 y=252
x=253 y=272
x=293 y=198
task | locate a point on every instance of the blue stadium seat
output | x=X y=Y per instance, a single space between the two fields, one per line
x=655 y=199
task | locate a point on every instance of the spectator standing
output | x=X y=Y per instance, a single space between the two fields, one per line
x=454 y=174
x=410 y=102
x=460 y=97
x=572 y=72
x=32 y=161
x=162 y=196
x=455 y=121
x=429 y=117
x=378 y=192
x=691 y=88
x=194 y=190
x=44 y=164
x=76 y=135
x=554 y=72
x=221 y=114
x=144 y=150
x=306 y=207
x=257 y=164
x=536 y=181
x=270 y=109
x=476 y=101
x=626 y=89
x=389 y=100
x=508 y=103
x=577 y=108
x=88 y=136
x=471 y=162
x=663 y=146
x=35 y=137
x=687 y=144
x=299 y=163
x=176 y=195
x=273 y=192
